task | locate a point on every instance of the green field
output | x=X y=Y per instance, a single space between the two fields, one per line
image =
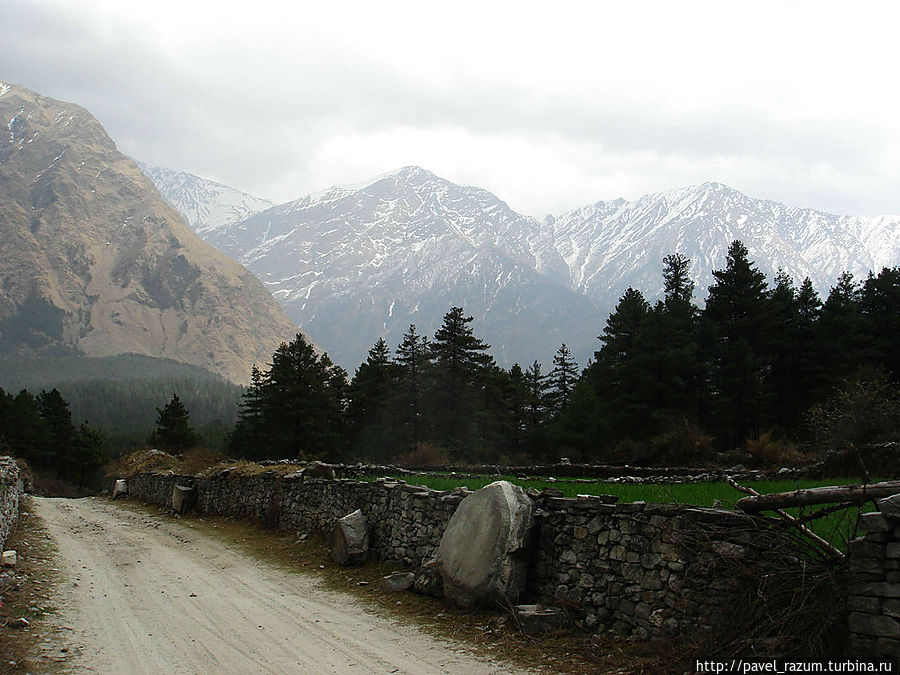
x=836 y=528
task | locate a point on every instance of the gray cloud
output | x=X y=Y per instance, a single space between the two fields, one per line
x=256 y=118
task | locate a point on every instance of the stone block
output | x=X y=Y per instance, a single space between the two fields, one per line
x=183 y=498
x=398 y=581
x=890 y=507
x=874 y=522
x=535 y=619
x=874 y=625
x=120 y=488
x=866 y=604
x=890 y=607
x=349 y=540
x=8 y=559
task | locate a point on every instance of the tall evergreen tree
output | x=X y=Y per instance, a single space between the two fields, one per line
x=841 y=336
x=305 y=400
x=173 y=428
x=460 y=359
x=413 y=358
x=738 y=317
x=249 y=437
x=561 y=380
x=60 y=439
x=369 y=416
x=880 y=300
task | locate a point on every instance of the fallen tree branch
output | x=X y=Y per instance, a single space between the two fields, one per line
x=796 y=522
x=856 y=494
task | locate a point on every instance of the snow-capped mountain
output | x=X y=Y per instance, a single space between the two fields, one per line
x=352 y=264
x=611 y=245
x=366 y=262
x=205 y=204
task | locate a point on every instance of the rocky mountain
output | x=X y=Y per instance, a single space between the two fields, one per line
x=205 y=204
x=93 y=262
x=353 y=264
x=350 y=264
x=611 y=245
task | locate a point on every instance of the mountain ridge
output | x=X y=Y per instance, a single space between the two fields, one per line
x=94 y=263
x=584 y=258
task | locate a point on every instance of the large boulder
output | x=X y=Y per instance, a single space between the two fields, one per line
x=183 y=498
x=349 y=540
x=483 y=555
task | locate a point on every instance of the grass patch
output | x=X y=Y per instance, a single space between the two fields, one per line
x=29 y=596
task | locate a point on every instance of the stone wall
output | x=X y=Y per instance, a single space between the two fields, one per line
x=873 y=581
x=10 y=494
x=651 y=570
x=642 y=570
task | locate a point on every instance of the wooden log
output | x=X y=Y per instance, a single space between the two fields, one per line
x=827 y=546
x=857 y=494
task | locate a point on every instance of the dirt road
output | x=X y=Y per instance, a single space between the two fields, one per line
x=147 y=596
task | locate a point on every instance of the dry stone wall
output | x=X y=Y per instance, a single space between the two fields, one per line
x=642 y=570
x=649 y=570
x=873 y=581
x=10 y=495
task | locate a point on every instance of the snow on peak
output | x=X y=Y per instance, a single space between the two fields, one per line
x=4 y=88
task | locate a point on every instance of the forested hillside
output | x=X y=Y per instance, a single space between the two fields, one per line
x=120 y=394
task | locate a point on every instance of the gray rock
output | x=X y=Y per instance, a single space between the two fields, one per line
x=8 y=559
x=318 y=470
x=869 y=624
x=427 y=580
x=890 y=507
x=483 y=554
x=534 y=619
x=120 y=488
x=349 y=540
x=183 y=498
x=874 y=522
x=397 y=581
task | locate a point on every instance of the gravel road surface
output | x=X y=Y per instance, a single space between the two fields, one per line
x=143 y=595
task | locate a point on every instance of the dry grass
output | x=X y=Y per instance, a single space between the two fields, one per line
x=30 y=598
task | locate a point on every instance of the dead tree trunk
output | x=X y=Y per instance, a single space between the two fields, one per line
x=856 y=494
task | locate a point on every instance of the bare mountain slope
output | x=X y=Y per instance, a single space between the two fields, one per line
x=94 y=262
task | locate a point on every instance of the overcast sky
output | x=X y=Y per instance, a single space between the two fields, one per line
x=549 y=105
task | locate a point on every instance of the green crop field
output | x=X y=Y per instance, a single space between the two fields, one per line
x=837 y=527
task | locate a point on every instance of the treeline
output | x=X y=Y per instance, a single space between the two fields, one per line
x=670 y=382
x=39 y=429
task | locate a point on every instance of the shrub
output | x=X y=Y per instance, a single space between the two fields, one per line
x=425 y=456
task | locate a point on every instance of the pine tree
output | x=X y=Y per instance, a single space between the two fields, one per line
x=249 y=438
x=561 y=380
x=738 y=318
x=305 y=399
x=60 y=439
x=880 y=300
x=460 y=361
x=413 y=358
x=173 y=428
x=841 y=335
x=369 y=417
